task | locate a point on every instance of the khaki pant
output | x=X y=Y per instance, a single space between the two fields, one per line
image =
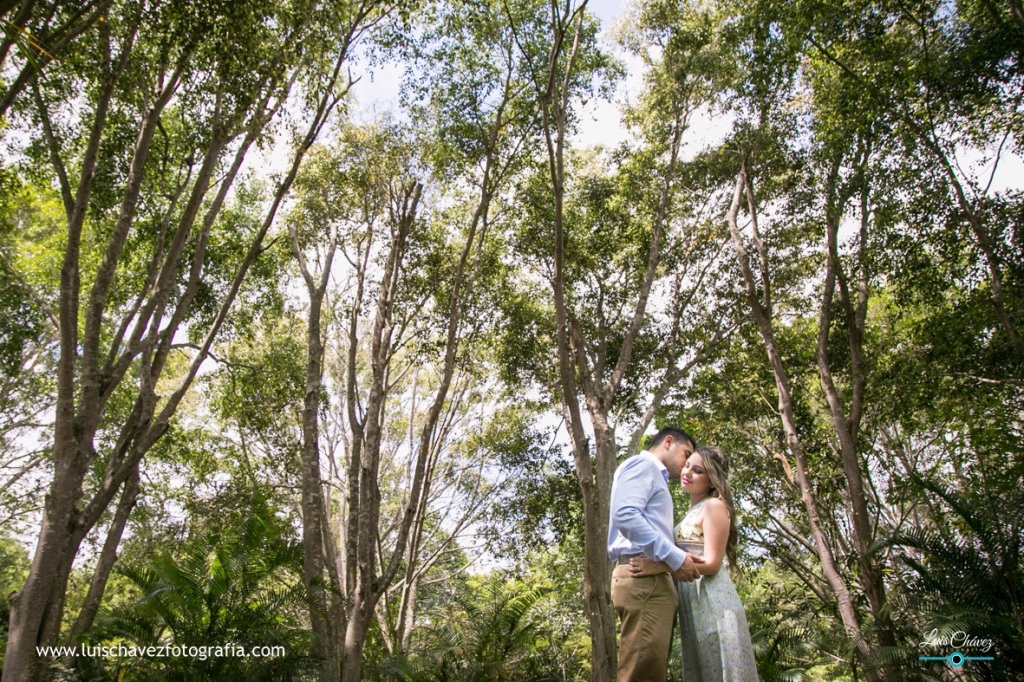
x=647 y=609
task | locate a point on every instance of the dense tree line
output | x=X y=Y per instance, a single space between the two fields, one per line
x=276 y=373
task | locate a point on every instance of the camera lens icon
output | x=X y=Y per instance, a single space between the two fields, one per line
x=956 y=659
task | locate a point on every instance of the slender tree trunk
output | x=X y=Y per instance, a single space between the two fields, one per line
x=760 y=312
x=594 y=470
x=312 y=490
x=596 y=568
x=410 y=598
x=366 y=586
x=317 y=547
x=107 y=559
x=336 y=608
x=410 y=585
x=355 y=639
x=846 y=425
x=47 y=575
x=369 y=587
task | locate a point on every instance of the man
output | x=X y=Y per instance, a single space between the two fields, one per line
x=642 y=523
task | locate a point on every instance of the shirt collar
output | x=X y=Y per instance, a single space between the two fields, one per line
x=661 y=467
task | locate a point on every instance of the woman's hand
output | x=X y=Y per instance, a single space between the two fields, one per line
x=641 y=566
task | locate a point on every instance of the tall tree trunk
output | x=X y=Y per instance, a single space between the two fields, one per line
x=317 y=548
x=596 y=567
x=594 y=469
x=846 y=425
x=365 y=585
x=369 y=587
x=313 y=560
x=760 y=311
x=29 y=605
x=411 y=582
x=47 y=575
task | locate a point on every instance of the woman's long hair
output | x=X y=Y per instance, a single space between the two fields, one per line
x=716 y=466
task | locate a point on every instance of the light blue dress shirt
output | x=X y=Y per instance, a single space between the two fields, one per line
x=641 y=512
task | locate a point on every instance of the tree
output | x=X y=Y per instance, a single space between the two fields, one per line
x=207 y=100
x=842 y=196
x=609 y=245
x=316 y=540
x=414 y=279
x=388 y=233
x=949 y=87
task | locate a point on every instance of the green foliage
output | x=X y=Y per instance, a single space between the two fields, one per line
x=491 y=634
x=542 y=502
x=259 y=388
x=792 y=641
x=966 y=577
x=234 y=585
x=29 y=259
x=29 y=248
x=611 y=209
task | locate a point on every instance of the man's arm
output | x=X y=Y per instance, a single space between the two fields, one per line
x=642 y=566
x=630 y=495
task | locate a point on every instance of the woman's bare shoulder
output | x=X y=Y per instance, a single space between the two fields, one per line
x=716 y=506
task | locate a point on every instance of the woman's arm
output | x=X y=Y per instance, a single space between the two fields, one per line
x=716 y=535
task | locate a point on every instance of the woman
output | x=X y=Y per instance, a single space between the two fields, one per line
x=713 y=627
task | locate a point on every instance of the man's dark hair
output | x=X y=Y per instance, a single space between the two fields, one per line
x=676 y=433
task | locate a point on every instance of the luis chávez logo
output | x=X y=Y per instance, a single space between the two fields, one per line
x=957 y=641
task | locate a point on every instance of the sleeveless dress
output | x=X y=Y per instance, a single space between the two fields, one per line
x=713 y=626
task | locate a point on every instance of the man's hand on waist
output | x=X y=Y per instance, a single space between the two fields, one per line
x=688 y=572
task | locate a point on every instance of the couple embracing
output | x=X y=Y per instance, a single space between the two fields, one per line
x=661 y=571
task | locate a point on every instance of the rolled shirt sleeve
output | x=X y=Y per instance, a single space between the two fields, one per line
x=641 y=511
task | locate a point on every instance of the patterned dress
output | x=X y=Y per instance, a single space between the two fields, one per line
x=713 y=626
